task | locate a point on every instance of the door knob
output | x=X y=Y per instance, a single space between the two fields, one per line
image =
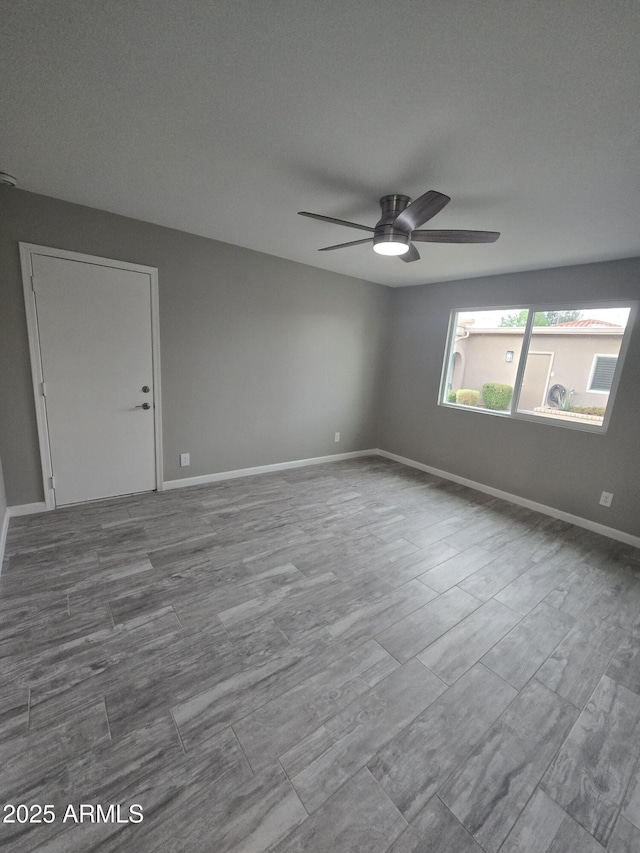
x=143 y=406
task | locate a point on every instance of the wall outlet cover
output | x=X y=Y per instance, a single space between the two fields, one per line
x=185 y=459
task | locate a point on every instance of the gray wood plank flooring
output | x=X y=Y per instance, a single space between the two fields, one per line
x=594 y=764
x=503 y=770
x=349 y=656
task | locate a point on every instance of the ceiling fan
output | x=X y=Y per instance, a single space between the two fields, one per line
x=395 y=232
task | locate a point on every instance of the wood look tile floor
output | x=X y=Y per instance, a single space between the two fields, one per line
x=348 y=657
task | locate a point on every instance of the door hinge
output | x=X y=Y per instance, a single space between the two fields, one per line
x=33 y=284
x=43 y=389
x=52 y=482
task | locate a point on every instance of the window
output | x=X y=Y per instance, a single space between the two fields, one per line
x=602 y=373
x=550 y=363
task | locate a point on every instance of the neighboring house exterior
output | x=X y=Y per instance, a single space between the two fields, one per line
x=580 y=356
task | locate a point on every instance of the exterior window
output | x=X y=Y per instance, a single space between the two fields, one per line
x=553 y=364
x=602 y=373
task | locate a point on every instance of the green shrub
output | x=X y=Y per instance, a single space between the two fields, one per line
x=451 y=396
x=495 y=395
x=467 y=397
x=589 y=410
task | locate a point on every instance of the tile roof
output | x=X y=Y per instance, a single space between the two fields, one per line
x=589 y=323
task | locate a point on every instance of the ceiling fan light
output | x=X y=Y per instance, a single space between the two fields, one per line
x=388 y=240
x=391 y=248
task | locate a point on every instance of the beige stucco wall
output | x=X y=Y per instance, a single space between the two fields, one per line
x=483 y=359
x=573 y=361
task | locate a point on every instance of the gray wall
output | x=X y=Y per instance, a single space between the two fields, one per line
x=3 y=511
x=3 y=499
x=262 y=359
x=559 y=467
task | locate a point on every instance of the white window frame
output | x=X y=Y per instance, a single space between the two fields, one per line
x=534 y=308
x=592 y=372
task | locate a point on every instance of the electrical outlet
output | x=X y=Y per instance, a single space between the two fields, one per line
x=606 y=498
x=337 y=437
x=185 y=460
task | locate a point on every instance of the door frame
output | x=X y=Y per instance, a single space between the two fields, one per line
x=27 y=250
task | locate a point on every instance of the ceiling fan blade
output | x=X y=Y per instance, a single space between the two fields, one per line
x=344 y=245
x=455 y=236
x=412 y=255
x=335 y=221
x=421 y=210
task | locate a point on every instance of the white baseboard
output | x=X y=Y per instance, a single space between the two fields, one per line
x=594 y=526
x=602 y=529
x=27 y=509
x=3 y=536
x=264 y=469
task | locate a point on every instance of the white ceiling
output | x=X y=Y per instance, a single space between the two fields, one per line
x=226 y=118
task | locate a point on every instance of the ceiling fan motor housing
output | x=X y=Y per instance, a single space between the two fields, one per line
x=385 y=232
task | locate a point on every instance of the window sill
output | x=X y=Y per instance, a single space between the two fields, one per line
x=542 y=415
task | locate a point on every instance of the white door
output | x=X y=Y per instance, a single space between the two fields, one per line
x=535 y=381
x=95 y=334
